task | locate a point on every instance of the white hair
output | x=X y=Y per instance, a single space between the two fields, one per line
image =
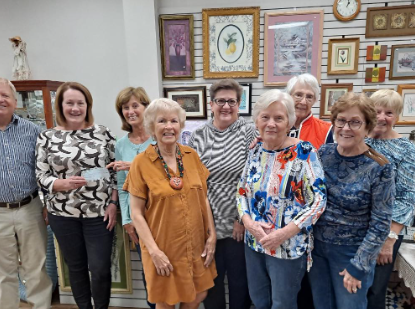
x=306 y=80
x=13 y=89
x=158 y=106
x=272 y=96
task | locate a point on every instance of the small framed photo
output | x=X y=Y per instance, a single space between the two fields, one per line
x=292 y=45
x=230 y=42
x=245 y=106
x=330 y=93
x=177 y=49
x=408 y=113
x=192 y=99
x=343 y=56
x=402 y=65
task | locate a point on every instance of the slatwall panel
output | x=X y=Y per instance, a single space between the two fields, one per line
x=332 y=29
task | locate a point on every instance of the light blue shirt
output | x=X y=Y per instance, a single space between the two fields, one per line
x=125 y=150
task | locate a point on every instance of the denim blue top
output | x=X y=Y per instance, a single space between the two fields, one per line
x=125 y=150
x=360 y=196
x=401 y=154
x=17 y=163
x=280 y=187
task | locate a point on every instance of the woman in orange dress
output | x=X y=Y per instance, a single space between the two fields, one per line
x=171 y=213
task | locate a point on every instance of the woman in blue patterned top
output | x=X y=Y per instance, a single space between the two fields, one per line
x=280 y=196
x=401 y=153
x=360 y=195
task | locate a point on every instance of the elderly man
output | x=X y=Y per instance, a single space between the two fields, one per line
x=304 y=89
x=22 y=225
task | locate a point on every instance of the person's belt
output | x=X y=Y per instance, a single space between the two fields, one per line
x=23 y=202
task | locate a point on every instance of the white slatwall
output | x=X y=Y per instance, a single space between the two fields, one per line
x=332 y=29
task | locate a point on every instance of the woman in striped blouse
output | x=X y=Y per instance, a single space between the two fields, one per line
x=223 y=146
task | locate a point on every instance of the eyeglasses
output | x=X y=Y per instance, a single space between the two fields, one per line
x=298 y=97
x=222 y=102
x=353 y=124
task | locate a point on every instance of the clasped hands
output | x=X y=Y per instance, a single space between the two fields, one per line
x=269 y=241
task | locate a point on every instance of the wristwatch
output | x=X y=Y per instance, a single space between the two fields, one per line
x=393 y=235
x=113 y=202
x=239 y=220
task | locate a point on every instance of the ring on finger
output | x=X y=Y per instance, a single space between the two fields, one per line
x=354 y=290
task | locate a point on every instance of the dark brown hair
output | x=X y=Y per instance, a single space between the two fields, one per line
x=226 y=84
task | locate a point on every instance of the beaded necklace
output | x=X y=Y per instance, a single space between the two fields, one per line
x=175 y=182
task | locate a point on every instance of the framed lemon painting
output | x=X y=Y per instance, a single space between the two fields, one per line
x=231 y=42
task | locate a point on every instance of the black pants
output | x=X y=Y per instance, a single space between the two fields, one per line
x=86 y=247
x=230 y=260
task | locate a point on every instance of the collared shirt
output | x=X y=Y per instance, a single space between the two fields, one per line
x=17 y=163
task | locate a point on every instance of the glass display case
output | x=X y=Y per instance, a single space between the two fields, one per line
x=35 y=101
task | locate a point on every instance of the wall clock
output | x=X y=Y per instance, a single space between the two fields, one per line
x=346 y=10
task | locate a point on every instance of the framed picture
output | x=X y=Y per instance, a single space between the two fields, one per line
x=292 y=45
x=376 y=52
x=177 y=49
x=343 y=56
x=375 y=75
x=369 y=92
x=402 y=65
x=408 y=113
x=120 y=263
x=192 y=99
x=231 y=42
x=330 y=93
x=245 y=107
x=389 y=21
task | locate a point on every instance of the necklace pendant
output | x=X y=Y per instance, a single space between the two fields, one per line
x=176 y=183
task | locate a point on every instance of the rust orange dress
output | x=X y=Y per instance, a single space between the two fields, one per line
x=178 y=222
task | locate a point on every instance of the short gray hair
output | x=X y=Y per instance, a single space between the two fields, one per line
x=6 y=81
x=162 y=105
x=388 y=98
x=304 y=79
x=272 y=96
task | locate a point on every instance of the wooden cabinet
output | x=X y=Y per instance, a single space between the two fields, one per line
x=35 y=101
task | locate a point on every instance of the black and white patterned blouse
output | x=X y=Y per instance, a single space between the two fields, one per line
x=61 y=154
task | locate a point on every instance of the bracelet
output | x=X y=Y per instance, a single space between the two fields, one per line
x=113 y=202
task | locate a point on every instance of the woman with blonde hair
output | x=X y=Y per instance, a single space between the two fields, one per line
x=401 y=154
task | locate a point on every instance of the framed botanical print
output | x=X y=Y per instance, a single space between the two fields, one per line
x=231 y=42
x=343 y=56
x=121 y=280
x=407 y=117
x=330 y=93
x=292 y=45
x=375 y=75
x=192 y=99
x=177 y=49
x=402 y=65
x=376 y=52
x=245 y=106
x=389 y=21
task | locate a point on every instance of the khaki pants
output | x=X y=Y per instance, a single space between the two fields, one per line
x=28 y=225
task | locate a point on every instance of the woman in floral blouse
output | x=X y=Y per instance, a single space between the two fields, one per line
x=280 y=196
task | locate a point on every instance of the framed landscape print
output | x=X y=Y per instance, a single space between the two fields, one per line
x=231 y=42
x=176 y=43
x=330 y=93
x=402 y=65
x=292 y=45
x=120 y=263
x=408 y=113
x=192 y=99
x=245 y=106
x=389 y=21
x=343 y=56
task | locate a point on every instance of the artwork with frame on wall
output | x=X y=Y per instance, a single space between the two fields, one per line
x=245 y=106
x=121 y=280
x=231 y=42
x=191 y=98
x=343 y=56
x=402 y=65
x=407 y=117
x=375 y=75
x=292 y=45
x=369 y=92
x=390 y=21
x=376 y=52
x=330 y=93
x=177 y=49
